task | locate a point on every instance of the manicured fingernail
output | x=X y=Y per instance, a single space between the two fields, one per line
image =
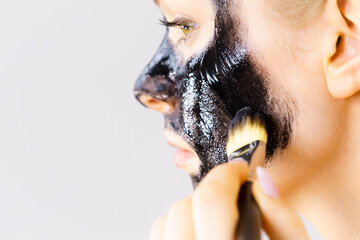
x=266 y=183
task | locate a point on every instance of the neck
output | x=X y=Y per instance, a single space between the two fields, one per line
x=331 y=200
x=326 y=191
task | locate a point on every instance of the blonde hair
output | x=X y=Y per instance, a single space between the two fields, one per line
x=295 y=13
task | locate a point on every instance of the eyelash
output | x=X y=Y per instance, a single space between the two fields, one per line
x=184 y=25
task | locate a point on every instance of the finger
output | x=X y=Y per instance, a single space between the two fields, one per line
x=158 y=229
x=279 y=221
x=215 y=211
x=179 y=223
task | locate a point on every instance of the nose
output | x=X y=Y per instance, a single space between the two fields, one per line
x=155 y=88
x=156 y=93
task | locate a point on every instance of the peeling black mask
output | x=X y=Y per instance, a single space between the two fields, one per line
x=209 y=89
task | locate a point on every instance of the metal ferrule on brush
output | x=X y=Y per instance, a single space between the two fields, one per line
x=254 y=153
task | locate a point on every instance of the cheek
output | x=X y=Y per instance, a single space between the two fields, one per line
x=296 y=66
x=318 y=113
x=318 y=126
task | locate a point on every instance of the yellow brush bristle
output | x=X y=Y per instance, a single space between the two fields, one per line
x=248 y=130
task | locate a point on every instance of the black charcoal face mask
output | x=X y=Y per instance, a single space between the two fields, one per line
x=210 y=88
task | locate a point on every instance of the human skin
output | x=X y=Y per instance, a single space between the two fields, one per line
x=316 y=175
x=205 y=90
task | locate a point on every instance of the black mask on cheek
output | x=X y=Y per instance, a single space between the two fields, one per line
x=207 y=92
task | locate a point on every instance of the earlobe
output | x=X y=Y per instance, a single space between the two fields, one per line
x=342 y=61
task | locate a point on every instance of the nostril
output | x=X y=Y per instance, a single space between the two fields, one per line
x=156 y=104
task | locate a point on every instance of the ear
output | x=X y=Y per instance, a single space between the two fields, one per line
x=342 y=58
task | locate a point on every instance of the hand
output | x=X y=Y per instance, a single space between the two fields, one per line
x=211 y=211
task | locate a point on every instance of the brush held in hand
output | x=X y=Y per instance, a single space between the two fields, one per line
x=247 y=140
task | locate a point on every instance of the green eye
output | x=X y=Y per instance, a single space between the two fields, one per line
x=186 y=28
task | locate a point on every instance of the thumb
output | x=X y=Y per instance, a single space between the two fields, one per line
x=279 y=221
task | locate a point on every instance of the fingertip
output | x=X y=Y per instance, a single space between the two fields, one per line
x=157 y=231
x=258 y=193
x=266 y=183
x=238 y=160
x=215 y=201
x=179 y=221
x=182 y=206
x=229 y=175
x=159 y=222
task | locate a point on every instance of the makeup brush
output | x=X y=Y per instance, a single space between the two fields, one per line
x=247 y=140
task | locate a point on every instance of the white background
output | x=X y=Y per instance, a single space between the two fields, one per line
x=79 y=157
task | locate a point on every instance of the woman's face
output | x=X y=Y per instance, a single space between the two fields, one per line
x=220 y=56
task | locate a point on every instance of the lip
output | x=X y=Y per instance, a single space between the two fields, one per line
x=185 y=157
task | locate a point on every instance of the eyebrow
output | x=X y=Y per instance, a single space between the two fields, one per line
x=156 y=2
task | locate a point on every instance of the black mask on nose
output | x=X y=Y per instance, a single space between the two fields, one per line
x=209 y=89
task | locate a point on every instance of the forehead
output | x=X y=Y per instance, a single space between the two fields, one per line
x=193 y=6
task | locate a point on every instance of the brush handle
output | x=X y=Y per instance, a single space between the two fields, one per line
x=249 y=225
